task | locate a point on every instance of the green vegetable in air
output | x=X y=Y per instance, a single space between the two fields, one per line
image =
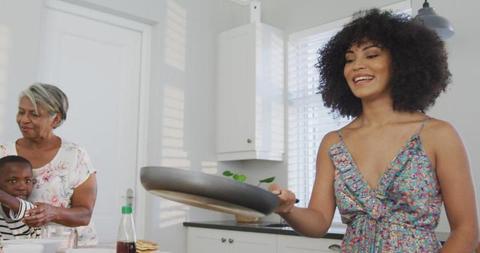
x=242 y=178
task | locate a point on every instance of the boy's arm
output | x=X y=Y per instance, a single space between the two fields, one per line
x=9 y=201
x=22 y=209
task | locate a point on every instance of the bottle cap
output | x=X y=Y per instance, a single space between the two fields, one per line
x=126 y=209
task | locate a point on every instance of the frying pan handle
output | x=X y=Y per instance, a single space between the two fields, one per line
x=296 y=200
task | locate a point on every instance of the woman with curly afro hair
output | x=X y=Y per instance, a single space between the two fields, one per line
x=390 y=169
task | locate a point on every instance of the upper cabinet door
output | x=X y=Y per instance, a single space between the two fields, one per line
x=250 y=101
x=236 y=90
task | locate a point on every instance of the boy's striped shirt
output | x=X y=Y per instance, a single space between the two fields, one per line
x=12 y=226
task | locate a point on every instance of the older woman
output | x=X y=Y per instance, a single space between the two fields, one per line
x=66 y=188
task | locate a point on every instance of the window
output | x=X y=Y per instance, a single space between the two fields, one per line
x=308 y=120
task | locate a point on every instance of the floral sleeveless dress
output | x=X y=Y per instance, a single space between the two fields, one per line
x=400 y=215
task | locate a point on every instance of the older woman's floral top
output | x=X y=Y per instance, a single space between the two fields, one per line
x=400 y=215
x=57 y=180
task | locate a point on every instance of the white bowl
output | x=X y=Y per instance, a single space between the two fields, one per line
x=23 y=248
x=49 y=245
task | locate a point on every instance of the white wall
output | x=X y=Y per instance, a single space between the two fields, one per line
x=19 y=52
x=147 y=11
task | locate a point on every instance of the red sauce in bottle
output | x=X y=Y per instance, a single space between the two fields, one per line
x=126 y=247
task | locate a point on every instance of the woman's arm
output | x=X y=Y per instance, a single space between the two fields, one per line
x=315 y=220
x=456 y=185
x=79 y=214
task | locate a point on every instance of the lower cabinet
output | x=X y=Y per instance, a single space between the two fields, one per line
x=202 y=240
x=299 y=244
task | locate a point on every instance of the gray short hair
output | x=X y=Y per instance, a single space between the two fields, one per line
x=50 y=96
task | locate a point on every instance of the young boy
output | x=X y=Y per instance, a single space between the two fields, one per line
x=16 y=183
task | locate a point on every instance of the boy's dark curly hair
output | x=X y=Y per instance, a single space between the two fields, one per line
x=14 y=159
x=419 y=71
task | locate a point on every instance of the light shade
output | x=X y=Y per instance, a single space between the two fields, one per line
x=430 y=19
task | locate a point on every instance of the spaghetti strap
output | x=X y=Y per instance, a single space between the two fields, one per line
x=340 y=135
x=422 y=126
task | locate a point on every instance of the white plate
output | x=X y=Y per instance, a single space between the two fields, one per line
x=90 y=250
x=49 y=245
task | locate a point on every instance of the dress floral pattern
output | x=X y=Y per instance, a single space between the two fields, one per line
x=57 y=180
x=400 y=215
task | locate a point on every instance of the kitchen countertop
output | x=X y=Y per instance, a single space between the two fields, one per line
x=276 y=228
x=262 y=227
x=100 y=248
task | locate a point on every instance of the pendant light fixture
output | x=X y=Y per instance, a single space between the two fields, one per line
x=427 y=16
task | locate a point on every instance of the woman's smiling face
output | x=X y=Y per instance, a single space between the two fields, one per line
x=34 y=123
x=367 y=70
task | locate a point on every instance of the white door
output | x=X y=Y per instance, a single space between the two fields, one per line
x=98 y=65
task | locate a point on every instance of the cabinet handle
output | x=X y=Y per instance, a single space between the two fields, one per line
x=335 y=247
x=223 y=239
x=249 y=140
x=230 y=240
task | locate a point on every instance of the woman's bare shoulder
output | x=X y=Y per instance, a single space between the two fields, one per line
x=437 y=128
x=331 y=138
x=440 y=132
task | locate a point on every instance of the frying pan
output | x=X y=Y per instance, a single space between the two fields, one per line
x=208 y=191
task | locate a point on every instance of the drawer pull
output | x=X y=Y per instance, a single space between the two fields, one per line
x=223 y=240
x=335 y=247
x=230 y=240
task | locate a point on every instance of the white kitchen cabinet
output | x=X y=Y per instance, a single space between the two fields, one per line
x=250 y=97
x=202 y=240
x=299 y=244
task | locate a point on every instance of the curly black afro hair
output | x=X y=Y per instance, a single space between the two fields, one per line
x=419 y=62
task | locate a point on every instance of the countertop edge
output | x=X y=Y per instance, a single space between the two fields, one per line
x=255 y=229
x=333 y=233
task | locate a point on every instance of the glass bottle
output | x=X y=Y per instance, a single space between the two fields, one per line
x=126 y=232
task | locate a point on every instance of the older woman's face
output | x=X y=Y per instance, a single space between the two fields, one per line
x=367 y=70
x=34 y=124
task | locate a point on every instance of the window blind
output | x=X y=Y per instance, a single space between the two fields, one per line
x=308 y=119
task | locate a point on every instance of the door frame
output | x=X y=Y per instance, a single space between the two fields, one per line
x=142 y=132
